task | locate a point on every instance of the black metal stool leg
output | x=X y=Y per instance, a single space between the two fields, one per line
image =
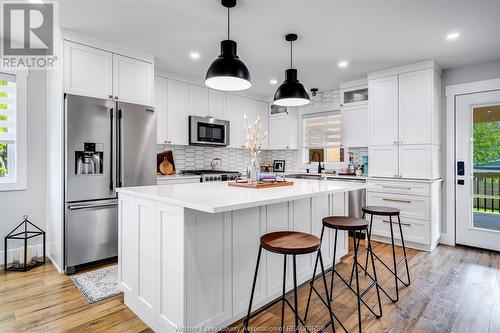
x=326 y=288
x=313 y=276
x=283 y=296
x=245 y=322
x=404 y=253
x=333 y=265
x=370 y=252
x=394 y=261
x=357 y=282
x=369 y=233
x=295 y=295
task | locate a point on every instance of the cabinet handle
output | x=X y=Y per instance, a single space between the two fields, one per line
x=396 y=187
x=110 y=97
x=287 y=147
x=394 y=222
x=167 y=141
x=395 y=142
x=396 y=200
x=400 y=142
x=116 y=98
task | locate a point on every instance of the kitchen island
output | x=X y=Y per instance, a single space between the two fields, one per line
x=187 y=252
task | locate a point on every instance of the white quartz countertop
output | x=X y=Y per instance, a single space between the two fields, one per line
x=218 y=197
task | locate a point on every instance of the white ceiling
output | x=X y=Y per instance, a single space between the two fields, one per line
x=370 y=34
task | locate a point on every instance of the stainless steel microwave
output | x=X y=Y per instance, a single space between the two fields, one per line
x=208 y=131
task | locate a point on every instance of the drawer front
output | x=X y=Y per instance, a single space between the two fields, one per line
x=413 y=230
x=416 y=207
x=410 y=188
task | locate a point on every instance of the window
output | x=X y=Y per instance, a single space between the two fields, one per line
x=321 y=132
x=12 y=131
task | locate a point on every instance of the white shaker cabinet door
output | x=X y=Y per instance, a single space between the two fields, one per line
x=177 y=112
x=133 y=80
x=415 y=161
x=234 y=113
x=383 y=161
x=216 y=104
x=198 y=101
x=161 y=109
x=279 y=132
x=87 y=71
x=355 y=126
x=415 y=107
x=263 y=113
x=383 y=110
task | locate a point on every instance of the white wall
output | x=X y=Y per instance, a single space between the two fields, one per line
x=465 y=74
x=32 y=201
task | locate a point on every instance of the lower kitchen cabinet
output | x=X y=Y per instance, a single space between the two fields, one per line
x=420 y=205
x=383 y=161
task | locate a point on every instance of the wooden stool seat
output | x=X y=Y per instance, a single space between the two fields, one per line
x=345 y=223
x=381 y=210
x=290 y=242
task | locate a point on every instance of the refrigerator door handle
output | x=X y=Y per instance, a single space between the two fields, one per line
x=97 y=205
x=119 y=170
x=111 y=183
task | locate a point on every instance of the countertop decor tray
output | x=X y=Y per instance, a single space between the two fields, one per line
x=261 y=185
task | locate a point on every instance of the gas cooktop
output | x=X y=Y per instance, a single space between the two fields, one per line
x=213 y=175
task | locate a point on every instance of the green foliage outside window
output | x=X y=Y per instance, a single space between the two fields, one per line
x=486 y=142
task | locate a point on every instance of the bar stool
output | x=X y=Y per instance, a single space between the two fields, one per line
x=356 y=225
x=389 y=212
x=288 y=243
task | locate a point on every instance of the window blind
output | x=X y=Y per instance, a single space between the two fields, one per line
x=322 y=130
x=7 y=108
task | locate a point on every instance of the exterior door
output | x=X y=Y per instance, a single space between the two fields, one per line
x=477 y=132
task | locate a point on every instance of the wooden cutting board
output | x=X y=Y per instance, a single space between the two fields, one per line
x=260 y=185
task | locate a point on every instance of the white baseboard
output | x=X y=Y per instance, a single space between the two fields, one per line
x=447 y=239
x=61 y=271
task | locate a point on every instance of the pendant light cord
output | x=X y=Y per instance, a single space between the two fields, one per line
x=228 y=22
x=291 y=55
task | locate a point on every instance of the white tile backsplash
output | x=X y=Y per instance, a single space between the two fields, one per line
x=233 y=159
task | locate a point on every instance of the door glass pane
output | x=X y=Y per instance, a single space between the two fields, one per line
x=486 y=171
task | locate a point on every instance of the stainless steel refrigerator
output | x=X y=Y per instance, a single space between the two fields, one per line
x=107 y=145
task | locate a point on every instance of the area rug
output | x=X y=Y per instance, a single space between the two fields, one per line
x=99 y=284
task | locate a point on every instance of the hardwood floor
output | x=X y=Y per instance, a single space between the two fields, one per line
x=454 y=289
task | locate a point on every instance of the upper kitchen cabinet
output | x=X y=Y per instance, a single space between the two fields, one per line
x=87 y=71
x=263 y=113
x=234 y=113
x=198 y=101
x=132 y=80
x=95 y=71
x=216 y=104
x=354 y=111
x=383 y=110
x=160 y=105
x=177 y=112
x=283 y=130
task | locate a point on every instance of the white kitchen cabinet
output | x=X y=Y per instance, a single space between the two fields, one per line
x=160 y=105
x=133 y=80
x=216 y=104
x=283 y=130
x=415 y=107
x=383 y=161
x=234 y=113
x=87 y=71
x=263 y=113
x=383 y=110
x=355 y=125
x=177 y=112
x=404 y=113
x=198 y=101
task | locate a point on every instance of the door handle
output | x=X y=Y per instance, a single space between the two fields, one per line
x=396 y=200
x=111 y=183
x=394 y=222
x=76 y=207
x=460 y=168
x=396 y=187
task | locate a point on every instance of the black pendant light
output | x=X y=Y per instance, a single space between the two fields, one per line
x=228 y=72
x=291 y=92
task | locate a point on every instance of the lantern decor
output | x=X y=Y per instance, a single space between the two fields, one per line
x=22 y=247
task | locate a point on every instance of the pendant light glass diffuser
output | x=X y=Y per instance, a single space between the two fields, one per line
x=291 y=92
x=228 y=72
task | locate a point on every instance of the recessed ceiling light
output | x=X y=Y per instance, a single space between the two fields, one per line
x=343 y=64
x=452 y=35
x=194 y=55
x=273 y=81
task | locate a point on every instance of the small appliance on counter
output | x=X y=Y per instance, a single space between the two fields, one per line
x=211 y=175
